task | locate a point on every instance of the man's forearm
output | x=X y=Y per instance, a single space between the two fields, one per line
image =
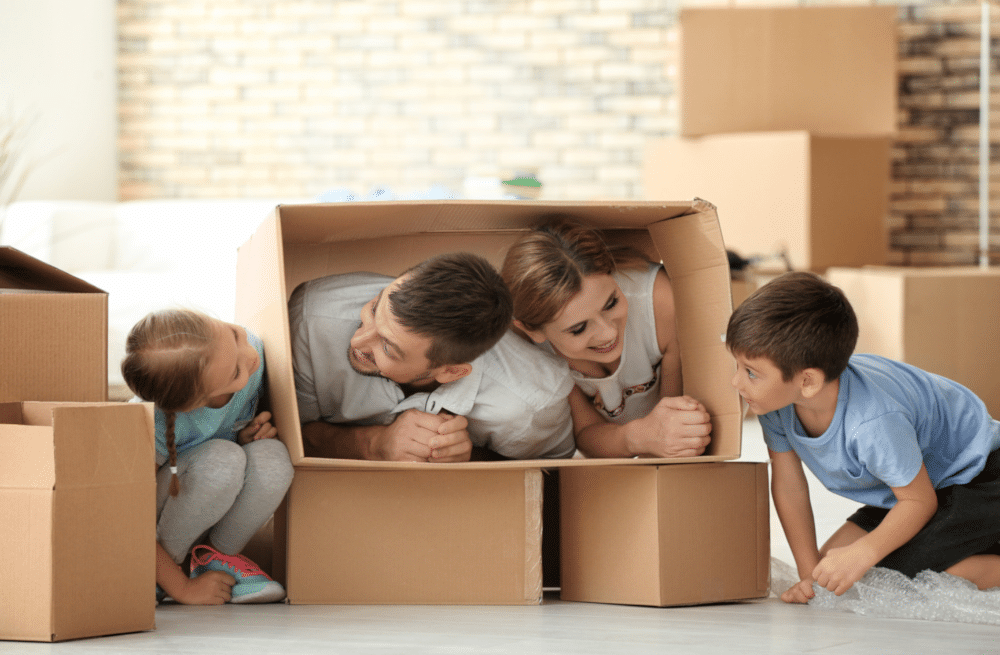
x=322 y=439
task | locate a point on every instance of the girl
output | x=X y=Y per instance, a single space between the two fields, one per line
x=610 y=315
x=221 y=472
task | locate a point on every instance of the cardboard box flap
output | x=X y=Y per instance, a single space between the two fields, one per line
x=315 y=224
x=21 y=271
x=91 y=449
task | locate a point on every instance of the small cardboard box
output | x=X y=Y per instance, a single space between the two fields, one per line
x=829 y=70
x=55 y=333
x=822 y=200
x=77 y=520
x=665 y=535
x=451 y=507
x=941 y=319
x=414 y=537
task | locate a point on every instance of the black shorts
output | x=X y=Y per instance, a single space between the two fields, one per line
x=967 y=522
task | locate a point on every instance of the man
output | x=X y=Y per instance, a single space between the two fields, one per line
x=431 y=371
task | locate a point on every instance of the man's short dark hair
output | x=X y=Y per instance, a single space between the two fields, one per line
x=798 y=321
x=457 y=300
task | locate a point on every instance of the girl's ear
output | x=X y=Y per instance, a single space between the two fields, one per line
x=534 y=335
x=813 y=380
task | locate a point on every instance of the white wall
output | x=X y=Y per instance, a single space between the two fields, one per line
x=57 y=63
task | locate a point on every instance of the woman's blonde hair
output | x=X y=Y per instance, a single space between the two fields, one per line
x=545 y=268
x=166 y=354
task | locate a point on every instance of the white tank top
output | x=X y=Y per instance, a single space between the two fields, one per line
x=633 y=389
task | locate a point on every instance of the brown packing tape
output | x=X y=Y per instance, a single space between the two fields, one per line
x=533 y=535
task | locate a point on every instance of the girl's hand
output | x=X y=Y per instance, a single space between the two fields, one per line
x=209 y=588
x=259 y=428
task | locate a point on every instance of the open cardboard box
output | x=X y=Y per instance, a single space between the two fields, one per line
x=77 y=520
x=55 y=333
x=393 y=532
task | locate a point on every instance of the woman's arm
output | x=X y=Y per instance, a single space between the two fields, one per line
x=677 y=427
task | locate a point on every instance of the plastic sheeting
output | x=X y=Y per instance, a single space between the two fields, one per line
x=886 y=593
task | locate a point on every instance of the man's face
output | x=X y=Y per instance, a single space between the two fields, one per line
x=381 y=346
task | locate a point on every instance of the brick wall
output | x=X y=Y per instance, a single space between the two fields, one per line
x=264 y=98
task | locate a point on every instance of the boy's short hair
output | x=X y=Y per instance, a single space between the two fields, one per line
x=797 y=321
x=457 y=300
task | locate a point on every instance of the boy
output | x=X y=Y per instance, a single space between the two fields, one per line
x=918 y=450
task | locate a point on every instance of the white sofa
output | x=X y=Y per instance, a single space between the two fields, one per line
x=146 y=254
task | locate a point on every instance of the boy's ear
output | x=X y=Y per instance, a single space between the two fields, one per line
x=812 y=381
x=452 y=372
x=534 y=335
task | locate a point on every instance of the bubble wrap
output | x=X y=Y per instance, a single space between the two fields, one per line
x=886 y=593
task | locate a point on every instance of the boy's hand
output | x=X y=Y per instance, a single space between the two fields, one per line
x=259 y=428
x=800 y=592
x=842 y=567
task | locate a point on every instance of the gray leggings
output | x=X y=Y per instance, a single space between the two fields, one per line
x=227 y=493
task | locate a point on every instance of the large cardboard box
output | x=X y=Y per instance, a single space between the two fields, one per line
x=77 y=520
x=828 y=70
x=823 y=200
x=665 y=535
x=942 y=319
x=55 y=333
x=359 y=531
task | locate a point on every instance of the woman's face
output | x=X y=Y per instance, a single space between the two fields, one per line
x=592 y=324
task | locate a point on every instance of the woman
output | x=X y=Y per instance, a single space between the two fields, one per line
x=610 y=315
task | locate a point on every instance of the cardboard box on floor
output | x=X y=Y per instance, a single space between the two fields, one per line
x=827 y=69
x=942 y=319
x=77 y=520
x=55 y=333
x=665 y=535
x=392 y=532
x=821 y=199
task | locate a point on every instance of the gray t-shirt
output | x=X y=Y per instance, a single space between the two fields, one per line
x=515 y=398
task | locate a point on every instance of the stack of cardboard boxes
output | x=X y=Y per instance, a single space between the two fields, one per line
x=786 y=115
x=650 y=532
x=77 y=488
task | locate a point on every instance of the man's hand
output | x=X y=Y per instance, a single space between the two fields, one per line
x=409 y=438
x=452 y=443
x=259 y=428
x=677 y=427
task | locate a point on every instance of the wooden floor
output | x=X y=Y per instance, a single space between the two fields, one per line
x=767 y=626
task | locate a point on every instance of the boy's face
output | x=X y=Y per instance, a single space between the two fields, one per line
x=760 y=383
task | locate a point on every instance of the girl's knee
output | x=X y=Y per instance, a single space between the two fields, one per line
x=219 y=463
x=268 y=462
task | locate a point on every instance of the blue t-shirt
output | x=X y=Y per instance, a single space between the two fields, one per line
x=194 y=428
x=890 y=418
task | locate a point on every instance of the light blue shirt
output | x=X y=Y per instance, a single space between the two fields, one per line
x=191 y=429
x=890 y=418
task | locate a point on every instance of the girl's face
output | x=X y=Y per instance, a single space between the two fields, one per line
x=233 y=361
x=591 y=326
